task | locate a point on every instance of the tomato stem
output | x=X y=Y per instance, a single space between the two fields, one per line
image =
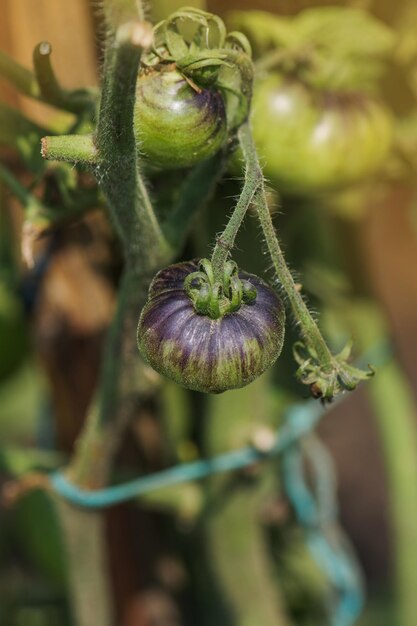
x=309 y=329
x=327 y=374
x=71 y=148
x=119 y=176
x=253 y=178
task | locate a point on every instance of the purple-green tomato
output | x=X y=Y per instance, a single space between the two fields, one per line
x=177 y=124
x=311 y=141
x=200 y=352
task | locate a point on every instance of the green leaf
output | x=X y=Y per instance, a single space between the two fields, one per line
x=175 y=43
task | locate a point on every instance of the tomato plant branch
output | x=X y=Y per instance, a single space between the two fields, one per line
x=118 y=172
x=145 y=249
x=43 y=85
x=327 y=374
x=144 y=246
x=309 y=328
x=253 y=178
x=77 y=149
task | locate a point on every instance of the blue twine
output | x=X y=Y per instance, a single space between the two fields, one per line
x=317 y=514
x=300 y=420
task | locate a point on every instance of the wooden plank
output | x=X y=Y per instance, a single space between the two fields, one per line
x=68 y=26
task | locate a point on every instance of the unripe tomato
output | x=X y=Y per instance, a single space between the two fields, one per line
x=206 y=353
x=177 y=124
x=311 y=141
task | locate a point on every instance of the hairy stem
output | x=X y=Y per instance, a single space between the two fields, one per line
x=118 y=173
x=123 y=380
x=78 y=149
x=308 y=326
x=253 y=179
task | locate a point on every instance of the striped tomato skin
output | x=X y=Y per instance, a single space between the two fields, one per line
x=205 y=354
x=176 y=124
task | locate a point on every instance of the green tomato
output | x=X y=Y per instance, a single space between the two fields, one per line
x=312 y=141
x=176 y=124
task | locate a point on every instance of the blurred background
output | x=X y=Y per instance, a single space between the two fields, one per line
x=355 y=251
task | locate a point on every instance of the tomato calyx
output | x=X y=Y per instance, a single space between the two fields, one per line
x=327 y=382
x=198 y=46
x=216 y=298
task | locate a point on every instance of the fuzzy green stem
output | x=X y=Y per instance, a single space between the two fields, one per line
x=253 y=179
x=77 y=149
x=145 y=248
x=308 y=326
x=119 y=176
